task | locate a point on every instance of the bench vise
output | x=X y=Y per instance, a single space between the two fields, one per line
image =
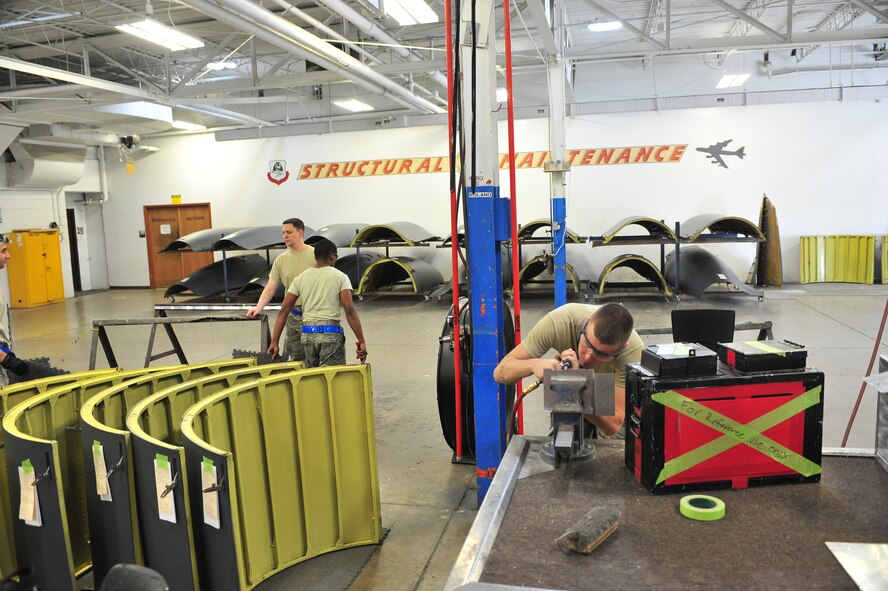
x=570 y=394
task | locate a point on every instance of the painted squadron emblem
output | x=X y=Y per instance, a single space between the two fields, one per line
x=277 y=172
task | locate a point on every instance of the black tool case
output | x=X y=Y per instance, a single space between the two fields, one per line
x=763 y=355
x=679 y=359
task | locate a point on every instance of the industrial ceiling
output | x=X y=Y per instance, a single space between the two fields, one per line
x=65 y=65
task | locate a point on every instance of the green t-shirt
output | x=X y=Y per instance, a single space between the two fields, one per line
x=560 y=330
x=289 y=265
x=318 y=291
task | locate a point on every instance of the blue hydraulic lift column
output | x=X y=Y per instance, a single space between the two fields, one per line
x=486 y=226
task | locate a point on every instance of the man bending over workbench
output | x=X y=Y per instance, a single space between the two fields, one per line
x=592 y=337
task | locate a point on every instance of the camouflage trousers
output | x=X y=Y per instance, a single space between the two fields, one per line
x=4 y=378
x=323 y=348
x=293 y=345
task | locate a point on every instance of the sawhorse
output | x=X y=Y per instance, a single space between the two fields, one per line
x=100 y=335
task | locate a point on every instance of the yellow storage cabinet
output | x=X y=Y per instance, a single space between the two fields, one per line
x=35 y=269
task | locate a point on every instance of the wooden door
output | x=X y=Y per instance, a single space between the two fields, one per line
x=165 y=223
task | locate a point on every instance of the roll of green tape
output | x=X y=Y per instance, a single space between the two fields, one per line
x=702 y=507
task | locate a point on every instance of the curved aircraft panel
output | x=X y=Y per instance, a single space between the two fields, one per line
x=258 y=283
x=199 y=241
x=693 y=228
x=640 y=265
x=255 y=238
x=460 y=234
x=387 y=272
x=210 y=280
x=655 y=228
x=540 y=264
x=354 y=267
x=398 y=232
x=527 y=231
x=699 y=269
x=340 y=234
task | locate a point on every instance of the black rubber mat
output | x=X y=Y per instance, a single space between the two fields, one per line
x=331 y=572
x=772 y=537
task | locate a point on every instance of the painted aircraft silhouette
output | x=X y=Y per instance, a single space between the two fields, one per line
x=716 y=151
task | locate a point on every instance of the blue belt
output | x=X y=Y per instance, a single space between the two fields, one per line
x=323 y=328
x=295 y=311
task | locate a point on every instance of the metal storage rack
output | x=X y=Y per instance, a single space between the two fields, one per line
x=723 y=229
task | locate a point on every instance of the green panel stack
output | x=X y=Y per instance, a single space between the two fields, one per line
x=168 y=547
x=11 y=396
x=42 y=433
x=289 y=464
x=107 y=456
x=842 y=259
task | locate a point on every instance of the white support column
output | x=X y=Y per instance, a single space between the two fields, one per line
x=558 y=166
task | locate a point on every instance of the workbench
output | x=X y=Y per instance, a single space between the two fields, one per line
x=772 y=537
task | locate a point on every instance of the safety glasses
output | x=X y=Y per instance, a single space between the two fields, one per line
x=598 y=352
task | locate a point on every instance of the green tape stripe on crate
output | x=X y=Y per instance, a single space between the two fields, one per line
x=735 y=433
x=766 y=348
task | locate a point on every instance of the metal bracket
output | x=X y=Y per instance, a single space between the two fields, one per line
x=169 y=488
x=115 y=467
x=219 y=486
x=43 y=476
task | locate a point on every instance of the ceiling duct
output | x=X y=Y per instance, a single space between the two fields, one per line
x=7 y=134
x=40 y=164
x=57 y=133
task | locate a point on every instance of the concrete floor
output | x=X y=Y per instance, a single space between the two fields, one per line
x=428 y=503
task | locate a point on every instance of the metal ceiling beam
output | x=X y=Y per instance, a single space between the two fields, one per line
x=872 y=10
x=745 y=17
x=129 y=71
x=307 y=79
x=723 y=44
x=230 y=115
x=195 y=70
x=55 y=74
x=840 y=19
x=626 y=24
x=543 y=27
x=755 y=10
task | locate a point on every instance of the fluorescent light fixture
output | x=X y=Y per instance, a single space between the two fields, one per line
x=502 y=95
x=410 y=12
x=216 y=66
x=605 y=26
x=37 y=19
x=155 y=32
x=353 y=105
x=732 y=80
x=188 y=126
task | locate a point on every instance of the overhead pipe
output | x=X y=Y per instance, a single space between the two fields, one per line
x=374 y=30
x=335 y=55
x=290 y=37
x=58 y=134
x=310 y=20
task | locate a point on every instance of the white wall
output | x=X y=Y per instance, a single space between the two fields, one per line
x=819 y=163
